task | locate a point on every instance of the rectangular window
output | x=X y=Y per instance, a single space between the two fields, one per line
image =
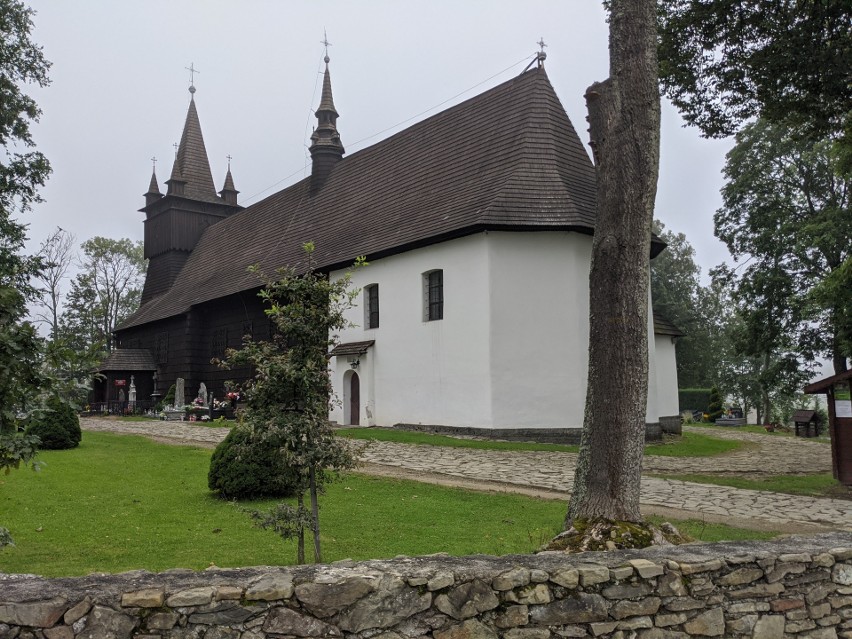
x=219 y=342
x=161 y=348
x=371 y=306
x=435 y=295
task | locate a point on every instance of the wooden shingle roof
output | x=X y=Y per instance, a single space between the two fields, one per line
x=191 y=164
x=128 y=359
x=352 y=348
x=663 y=326
x=507 y=159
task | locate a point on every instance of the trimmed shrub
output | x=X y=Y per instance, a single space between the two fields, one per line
x=245 y=466
x=714 y=406
x=692 y=399
x=58 y=427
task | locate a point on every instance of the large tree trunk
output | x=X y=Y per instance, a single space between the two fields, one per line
x=624 y=118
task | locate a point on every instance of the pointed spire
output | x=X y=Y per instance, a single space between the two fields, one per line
x=326 y=100
x=326 y=148
x=153 y=194
x=191 y=176
x=153 y=187
x=229 y=191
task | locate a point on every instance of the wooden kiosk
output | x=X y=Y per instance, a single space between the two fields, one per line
x=837 y=390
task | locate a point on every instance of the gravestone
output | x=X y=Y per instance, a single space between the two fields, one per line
x=180 y=399
x=131 y=397
x=202 y=393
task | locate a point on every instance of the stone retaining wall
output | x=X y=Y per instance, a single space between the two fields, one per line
x=798 y=587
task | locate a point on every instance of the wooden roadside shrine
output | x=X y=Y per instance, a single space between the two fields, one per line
x=837 y=390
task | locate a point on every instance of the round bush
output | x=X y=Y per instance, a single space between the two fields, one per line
x=245 y=466
x=58 y=427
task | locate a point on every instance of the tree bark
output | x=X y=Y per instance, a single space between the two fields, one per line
x=315 y=516
x=624 y=119
x=300 y=550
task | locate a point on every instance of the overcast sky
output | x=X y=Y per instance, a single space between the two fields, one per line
x=119 y=93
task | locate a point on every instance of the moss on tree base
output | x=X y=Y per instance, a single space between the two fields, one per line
x=605 y=534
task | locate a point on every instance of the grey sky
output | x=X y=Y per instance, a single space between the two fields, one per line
x=119 y=93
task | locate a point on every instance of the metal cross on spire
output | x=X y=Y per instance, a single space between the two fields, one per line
x=192 y=71
x=154 y=162
x=325 y=43
x=541 y=56
x=229 y=161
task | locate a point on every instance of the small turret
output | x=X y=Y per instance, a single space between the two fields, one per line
x=229 y=192
x=153 y=193
x=326 y=148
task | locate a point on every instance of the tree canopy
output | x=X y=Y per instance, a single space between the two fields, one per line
x=22 y=171
x=678 y=295
x=725 y=62
x=106 y=290
x=786 y=217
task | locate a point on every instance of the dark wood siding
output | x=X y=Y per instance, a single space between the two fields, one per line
x=183 y=346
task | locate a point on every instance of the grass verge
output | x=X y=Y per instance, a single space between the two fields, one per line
x=760 y=430
x=822 y=485
x=122 y=502
x=689 y=445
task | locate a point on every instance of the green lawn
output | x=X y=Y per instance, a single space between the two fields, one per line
x=822 y=485
x=120 y=502
x=760 y=430
x=690 y=445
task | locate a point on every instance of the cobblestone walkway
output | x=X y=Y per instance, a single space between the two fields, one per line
x=555 y=471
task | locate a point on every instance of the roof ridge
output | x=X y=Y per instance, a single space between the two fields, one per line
x=507 y=157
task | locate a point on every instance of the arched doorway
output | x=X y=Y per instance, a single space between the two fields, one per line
x=354 y=400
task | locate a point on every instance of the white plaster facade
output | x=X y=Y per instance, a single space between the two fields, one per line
x=510 y=352
x=666 y=376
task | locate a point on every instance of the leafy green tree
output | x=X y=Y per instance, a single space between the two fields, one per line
x=766 y=333
x=22 y=171
x=725 y=62
x=678 y=294
x=786 y=215
x=289 y=396
x=106 y=291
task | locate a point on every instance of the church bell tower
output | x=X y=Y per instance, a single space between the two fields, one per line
x=174 y=222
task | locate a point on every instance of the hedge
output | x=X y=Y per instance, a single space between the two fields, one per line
x=693 y=399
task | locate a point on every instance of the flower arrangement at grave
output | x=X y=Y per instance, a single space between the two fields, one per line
x=196 y=409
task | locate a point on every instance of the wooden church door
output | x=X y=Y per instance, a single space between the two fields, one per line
x=354 y=400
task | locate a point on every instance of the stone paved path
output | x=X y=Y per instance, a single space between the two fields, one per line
x=555 y=471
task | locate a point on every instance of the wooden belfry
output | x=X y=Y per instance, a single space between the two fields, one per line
x=837 y=390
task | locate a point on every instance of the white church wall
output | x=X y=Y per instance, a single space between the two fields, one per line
x=539 y=329
x=423 y=372
x=666 y=376
x=511 y=351
x=652 y=413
